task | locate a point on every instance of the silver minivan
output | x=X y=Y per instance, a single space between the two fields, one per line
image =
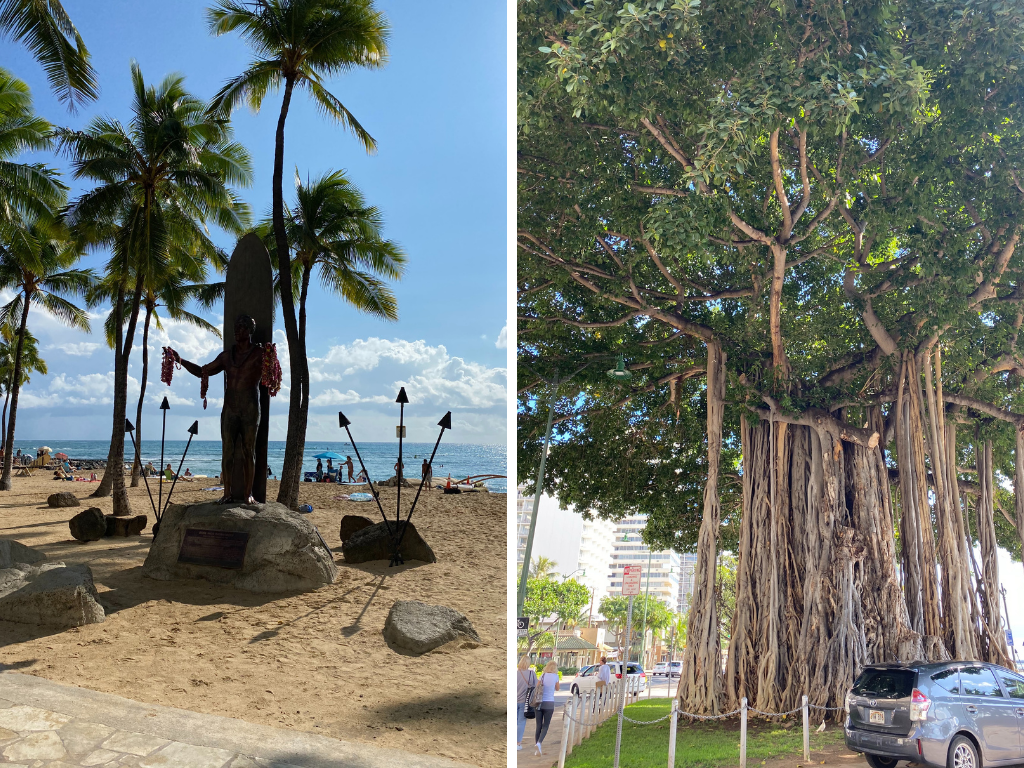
x=955 y=714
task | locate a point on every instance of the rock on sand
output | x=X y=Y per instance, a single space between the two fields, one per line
x=48 y=594
x=62 y=499
x=375 y=543
x=284 y=553
x=420 y=627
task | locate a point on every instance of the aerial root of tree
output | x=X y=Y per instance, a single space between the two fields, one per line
x=700 y=687
x=994 y=640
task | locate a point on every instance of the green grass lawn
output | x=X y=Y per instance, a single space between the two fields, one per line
x=700 y=745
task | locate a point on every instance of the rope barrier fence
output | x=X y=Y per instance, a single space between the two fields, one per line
x=586 y=710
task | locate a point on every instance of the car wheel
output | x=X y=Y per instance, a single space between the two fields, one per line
x=575 y=691
x=882 y=762
x=962 y=754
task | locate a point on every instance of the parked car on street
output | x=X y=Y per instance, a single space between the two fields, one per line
x=661 y=669
x=587 y=678
x=947 y=715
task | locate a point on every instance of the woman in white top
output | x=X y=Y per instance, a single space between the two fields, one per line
x=549 y=684
x=526 y=682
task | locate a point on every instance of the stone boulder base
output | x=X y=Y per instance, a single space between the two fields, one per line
x=285 y=552
x=419 y=627
x=12 y=552
x=63 y=499
x=124 y=526
x=49 y=595
x=88 y=525
x=352 y=523
x=374 y=543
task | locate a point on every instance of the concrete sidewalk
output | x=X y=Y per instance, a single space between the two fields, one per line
x=48 y=725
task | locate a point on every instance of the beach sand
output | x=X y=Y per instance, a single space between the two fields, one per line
x=312 y=662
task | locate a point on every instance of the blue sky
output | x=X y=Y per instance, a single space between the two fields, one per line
x=438 y=112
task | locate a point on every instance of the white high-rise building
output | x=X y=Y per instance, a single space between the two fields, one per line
x=661 y=569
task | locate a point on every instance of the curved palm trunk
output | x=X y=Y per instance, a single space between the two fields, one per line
x=295 y=440
x=5 y=480
x=137 y=464
x=107 y=481
x=115 y=458
x=3 y=419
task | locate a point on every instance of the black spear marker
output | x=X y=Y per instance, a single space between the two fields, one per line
x=343 y=422
x=192 y=432
x=396 y=558
x=130 y=429
x=164 y=406
x=402 y=399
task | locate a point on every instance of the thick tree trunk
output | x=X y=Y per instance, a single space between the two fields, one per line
x=958 y=628
x=995 y=637
x=107 y=480
x=137 y=463
x=3 y=419
x=700 y=686
x=5 y=479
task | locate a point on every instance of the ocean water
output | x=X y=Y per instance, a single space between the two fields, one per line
x=458 y=459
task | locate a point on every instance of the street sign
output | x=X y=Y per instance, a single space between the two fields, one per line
x=1009 y=638
x=631 y=580
x=522 y=625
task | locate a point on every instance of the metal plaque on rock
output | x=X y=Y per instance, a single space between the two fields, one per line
x=222 y=549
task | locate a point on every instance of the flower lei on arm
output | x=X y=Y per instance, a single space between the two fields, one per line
x=204 y=384
x=271 y=378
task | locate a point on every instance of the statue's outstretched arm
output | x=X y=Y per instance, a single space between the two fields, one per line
x=210 y=369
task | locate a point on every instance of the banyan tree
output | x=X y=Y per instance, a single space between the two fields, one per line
x=798 y=225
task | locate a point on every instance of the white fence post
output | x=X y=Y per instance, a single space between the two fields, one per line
x=571 y=725
x=565 y=735
x=672 y=734
x=743 y=732
x=581 y=726
x=807 y=732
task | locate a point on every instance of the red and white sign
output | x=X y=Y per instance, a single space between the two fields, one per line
x=631 y=580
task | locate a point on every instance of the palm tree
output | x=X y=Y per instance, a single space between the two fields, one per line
x=297 y=44
x=49 y=33
x=37 y=261
x=160 y=180
x=31 y=363
x=24 y=187
x=543 y=568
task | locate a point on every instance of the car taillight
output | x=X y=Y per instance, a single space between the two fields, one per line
x=643 y=674
x=618 y=675
x=919 y=704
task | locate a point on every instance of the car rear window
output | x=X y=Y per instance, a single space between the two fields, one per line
x=948 y=680
x=978 y=681
x=633 y=669
x=885 y=683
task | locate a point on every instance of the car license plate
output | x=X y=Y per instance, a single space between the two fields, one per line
x=876 y=716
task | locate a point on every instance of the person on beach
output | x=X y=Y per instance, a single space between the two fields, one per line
x=526 y=682
x=427 y=472
x=349 y=466
x=549 y=684
x=187 y=477
x=319 y=470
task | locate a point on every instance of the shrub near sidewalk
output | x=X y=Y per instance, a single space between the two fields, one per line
x=698 y=745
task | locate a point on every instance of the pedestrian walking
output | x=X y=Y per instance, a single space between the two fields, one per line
x=549 y=684
x=604 y=674
x=427 y=473
x=526 y=683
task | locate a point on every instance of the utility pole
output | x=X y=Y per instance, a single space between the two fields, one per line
x=525 y=573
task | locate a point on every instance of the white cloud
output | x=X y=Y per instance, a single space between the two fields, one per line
x=77 y=349
x=429 y=374
x=502 y=341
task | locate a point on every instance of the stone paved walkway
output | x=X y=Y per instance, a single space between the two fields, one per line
x=48 y=725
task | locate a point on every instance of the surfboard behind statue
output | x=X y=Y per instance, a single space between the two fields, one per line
x=249 y=290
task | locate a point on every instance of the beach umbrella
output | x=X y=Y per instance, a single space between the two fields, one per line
x=60 y=456
x=328 y=455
